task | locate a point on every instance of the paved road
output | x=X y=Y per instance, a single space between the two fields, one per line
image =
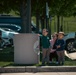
x=42 y=73
x=71 y=55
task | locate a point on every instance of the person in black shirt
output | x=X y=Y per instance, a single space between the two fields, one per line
x=60 y=45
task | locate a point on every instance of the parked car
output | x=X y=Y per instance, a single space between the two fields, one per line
x=16 y=28
x=13 y=22
x=7 y=33
x=7 y=36
x=70 y=38
x=11 y=26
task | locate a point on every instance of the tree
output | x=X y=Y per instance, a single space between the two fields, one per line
x=38 y=10
x=57 y=7
x=20 y=7
x=26 y=16
x=62 y=8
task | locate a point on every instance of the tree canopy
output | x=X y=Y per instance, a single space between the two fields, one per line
x=57 y=7
x=8 y=5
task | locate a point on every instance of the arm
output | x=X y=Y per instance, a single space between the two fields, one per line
x=62 y=44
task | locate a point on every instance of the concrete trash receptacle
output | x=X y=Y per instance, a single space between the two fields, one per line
x=24 y=49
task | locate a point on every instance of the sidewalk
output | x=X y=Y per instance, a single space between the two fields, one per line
x=42 y=73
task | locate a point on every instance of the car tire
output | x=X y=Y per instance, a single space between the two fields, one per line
x=69 y=46
x=11 y=41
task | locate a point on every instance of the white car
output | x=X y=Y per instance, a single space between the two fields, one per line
x=69 y=39
x=7 y=35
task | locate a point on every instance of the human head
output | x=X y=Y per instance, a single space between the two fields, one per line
x=55 y=36
x=60 y=35
x=45 y=32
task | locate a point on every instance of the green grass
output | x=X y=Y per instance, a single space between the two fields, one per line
x=69 y=24
x=7 y=59
x=6 y=56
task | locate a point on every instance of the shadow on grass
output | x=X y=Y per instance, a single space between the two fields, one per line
x=13 y=64
x=7 y=55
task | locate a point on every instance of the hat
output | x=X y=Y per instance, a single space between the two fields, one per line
x=61 y=33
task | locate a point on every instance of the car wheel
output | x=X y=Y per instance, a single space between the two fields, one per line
x=69 y=46
x=11 y=41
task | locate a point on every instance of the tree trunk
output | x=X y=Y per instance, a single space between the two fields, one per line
x=37 y=22
x=61 y=28
x=58 y=23
x=42 y=22
x=26 y=16
x=47 y=23
x=50 y=31
x=50 y=27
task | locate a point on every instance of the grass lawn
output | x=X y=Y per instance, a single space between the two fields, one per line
x=7 y=59
x=6 y=56
x=69 y=24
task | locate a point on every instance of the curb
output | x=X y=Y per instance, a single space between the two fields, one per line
x=38 y=69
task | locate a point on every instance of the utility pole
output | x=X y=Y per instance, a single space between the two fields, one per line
x=47 y=16
x=47 y=20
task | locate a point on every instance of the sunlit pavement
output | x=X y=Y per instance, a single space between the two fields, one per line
x=71 y=55
x=42 y=73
